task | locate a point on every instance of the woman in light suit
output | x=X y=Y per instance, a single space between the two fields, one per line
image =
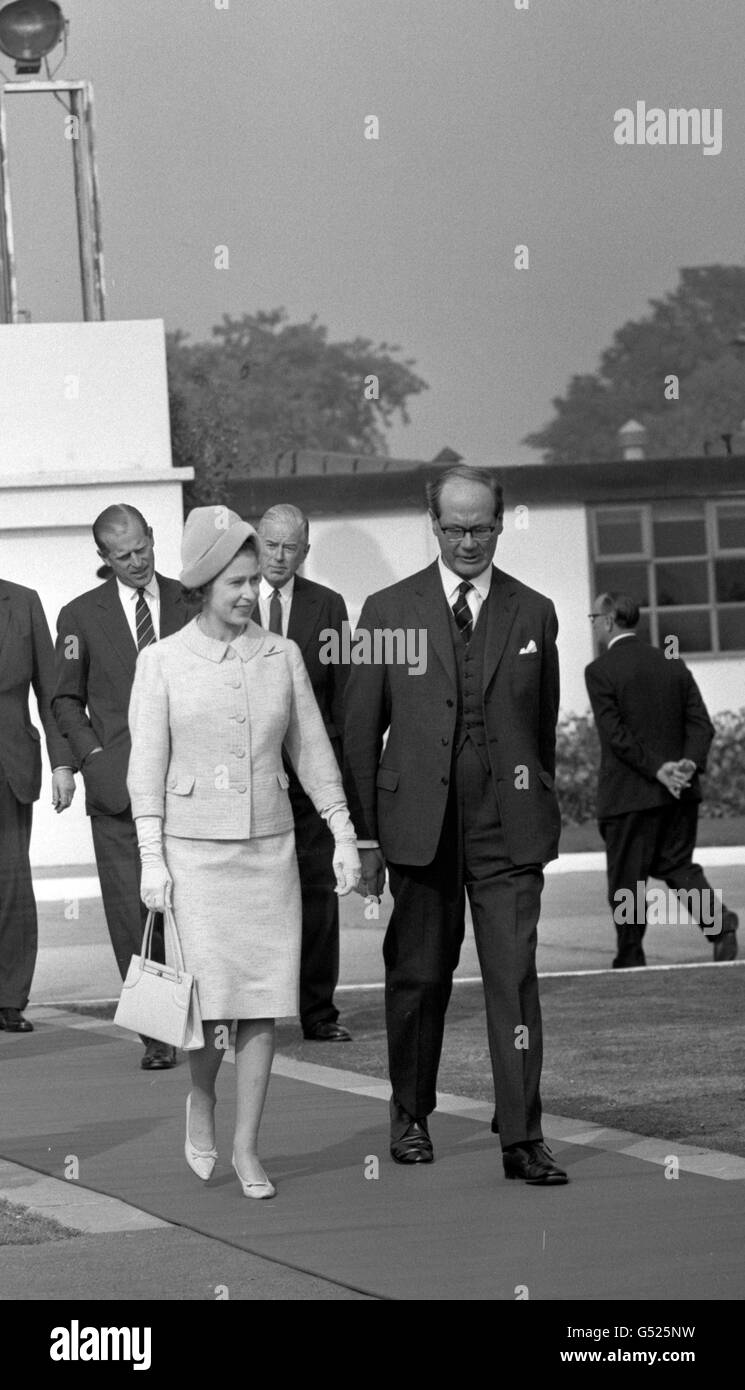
x=211 y=709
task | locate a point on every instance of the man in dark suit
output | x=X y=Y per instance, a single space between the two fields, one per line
x=302 y=610
x=462 y=799
x=655 y=735
x=98 y=637
x=26 y=660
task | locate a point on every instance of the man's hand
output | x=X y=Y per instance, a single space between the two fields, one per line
x=372 y=882
x=687 y=768
x=346 y=866
x=63 y=788
x=671 y=777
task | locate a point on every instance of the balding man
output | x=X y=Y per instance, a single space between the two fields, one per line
x=302 y=610
x=98 y=637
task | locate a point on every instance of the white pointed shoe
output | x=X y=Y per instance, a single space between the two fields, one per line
x=261 y=1190
x=201 y=1161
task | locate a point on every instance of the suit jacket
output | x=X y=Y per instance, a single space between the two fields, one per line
x=96 y=656
x=648 y=711
x=207 y=745
x=26 y=659
x=315 y=610
x=399 y=798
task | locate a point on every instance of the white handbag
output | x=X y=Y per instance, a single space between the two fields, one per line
x=161 y=1001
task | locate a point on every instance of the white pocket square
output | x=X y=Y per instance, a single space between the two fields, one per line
x=530 y=650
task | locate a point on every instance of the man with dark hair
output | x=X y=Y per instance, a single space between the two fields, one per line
x=98 y=637
x=26 y=661
x=655 y=735
x=302 y=610
x=460 y=799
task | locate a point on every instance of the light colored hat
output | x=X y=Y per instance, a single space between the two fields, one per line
x=212 y=537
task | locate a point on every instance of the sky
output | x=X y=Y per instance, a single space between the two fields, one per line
x=240 y=123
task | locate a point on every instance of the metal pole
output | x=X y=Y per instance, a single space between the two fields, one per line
x=98 y=267
x=8 y=287
x=83 y=199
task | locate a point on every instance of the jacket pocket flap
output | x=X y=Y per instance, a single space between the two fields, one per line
x=387 y=779
x=546 y=779
x=180 y=783
x=283 y=779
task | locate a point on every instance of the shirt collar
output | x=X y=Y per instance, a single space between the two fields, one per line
x=619 y=638
x=245 y=646
x=450 y=581
x=126 y=592
x=266 y=589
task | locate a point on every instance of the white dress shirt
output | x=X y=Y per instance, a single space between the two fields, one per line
x=475 y=596
x=285 y=597
x=128 y=598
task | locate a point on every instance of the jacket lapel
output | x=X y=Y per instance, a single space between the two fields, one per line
x=432 y=605
x=173 y=609
x=501 y=611
x=303 y=613
x=4 y=613
x=115 y=626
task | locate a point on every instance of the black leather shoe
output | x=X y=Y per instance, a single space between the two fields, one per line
x=327 y=1032
x=725 y=945
x=533 y=1162
x=410 y=1141
x=12 y=1021
x=158 y=1056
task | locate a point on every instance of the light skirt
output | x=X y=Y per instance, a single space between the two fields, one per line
x=238 y=913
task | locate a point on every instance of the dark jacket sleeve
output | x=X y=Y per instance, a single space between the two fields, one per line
x=625 y=744
x=71 y=689
x=367 y=716
x=42 y=678
x=550 y=691
x=338 y=670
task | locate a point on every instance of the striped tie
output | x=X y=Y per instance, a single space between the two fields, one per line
x=275 y=613
x=143 y=622
x=462 y=612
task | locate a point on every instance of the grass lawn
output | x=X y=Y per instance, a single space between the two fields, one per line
x=19 y=1226
x=660 y=1053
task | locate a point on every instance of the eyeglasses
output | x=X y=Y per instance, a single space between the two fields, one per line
x=593 y=616
x=457 y=533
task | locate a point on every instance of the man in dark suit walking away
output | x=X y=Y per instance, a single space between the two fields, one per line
x=463 y=673
x=26 y=660
x=98 y=637
x=303 y=610
x=655 y=735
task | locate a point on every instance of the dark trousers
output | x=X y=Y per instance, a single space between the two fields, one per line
x=319 y=955
x=657 y=843
x=118 y=864
x=18 y=924
x=422 y=948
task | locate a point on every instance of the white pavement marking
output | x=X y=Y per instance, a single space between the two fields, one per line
x=708 y=1163
x=52 y=890
x=79 y=1208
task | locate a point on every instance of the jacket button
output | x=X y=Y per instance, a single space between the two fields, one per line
x=241 y=753
x=241 y=718
x=445 y=741
x=241 y=788
x=449 y=703
x=444 y=781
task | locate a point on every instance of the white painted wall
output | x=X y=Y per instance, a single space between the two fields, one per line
x=61 y=462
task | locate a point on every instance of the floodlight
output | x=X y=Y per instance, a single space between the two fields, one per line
x=29 y=30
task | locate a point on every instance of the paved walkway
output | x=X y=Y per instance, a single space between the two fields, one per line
x=89 y=1137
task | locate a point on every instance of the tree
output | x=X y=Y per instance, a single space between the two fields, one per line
x=262 y=386
x=688 y=334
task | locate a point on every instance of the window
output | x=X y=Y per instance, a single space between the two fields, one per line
x=683 y=562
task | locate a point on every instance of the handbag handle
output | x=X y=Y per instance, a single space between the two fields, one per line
x=170 y=927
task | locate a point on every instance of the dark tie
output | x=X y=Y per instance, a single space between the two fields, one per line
x=461 y=611
x=275 y=613
x=143 y=622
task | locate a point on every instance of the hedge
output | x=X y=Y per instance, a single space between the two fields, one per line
x=578 y=759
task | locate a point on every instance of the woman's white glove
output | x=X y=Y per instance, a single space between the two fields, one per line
x=347 y=866
x=155 y=881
